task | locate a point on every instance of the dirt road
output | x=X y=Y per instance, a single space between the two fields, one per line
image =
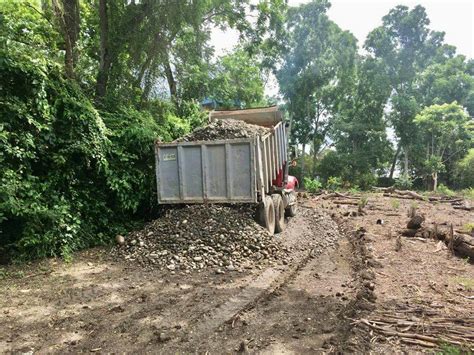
x=337 y=277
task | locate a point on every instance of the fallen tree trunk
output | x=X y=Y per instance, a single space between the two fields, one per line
x=465 y=208
x=345 y=202
x=462 y=244
x=407 y=193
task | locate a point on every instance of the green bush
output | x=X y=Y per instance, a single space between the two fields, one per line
x=403 y=183
x=334 y=183
x=71 y=177
x=444 y=190
x=53 y=159
x=464 y=172
x=312 y=185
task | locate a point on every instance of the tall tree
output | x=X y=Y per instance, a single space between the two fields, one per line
x=317 y=68
x=406 y=46
x=359 y=130
x=445 y=133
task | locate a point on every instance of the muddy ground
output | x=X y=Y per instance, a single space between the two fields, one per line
x=345 y=289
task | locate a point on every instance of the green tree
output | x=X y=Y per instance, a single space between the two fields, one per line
x=359 y=130
x=238 y=79
x=406 y=46
x=317 y=68
x=448 y=81
x=464 y=169
x=443 y=128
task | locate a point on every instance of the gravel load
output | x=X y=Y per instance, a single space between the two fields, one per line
x=224 y=129
x=197 y=237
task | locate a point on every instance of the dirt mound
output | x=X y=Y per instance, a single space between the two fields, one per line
x=224 y=129
x=196 y=237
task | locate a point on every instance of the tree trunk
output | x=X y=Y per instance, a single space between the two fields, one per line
x=105 y=60
x=302 y=166
x=405 y=161
x=170 y=78
x=394 y=162
x=435 y=180
x=72 y=20
x=68 y=16
x=315 y=156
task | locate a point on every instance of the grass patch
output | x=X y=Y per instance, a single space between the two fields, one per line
x=395 y=204
x=468 y=193
x=466 y=282
x=468 y=227
x=5 y=274
x=451 y=349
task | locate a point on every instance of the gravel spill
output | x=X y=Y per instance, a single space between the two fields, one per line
x=195 y=237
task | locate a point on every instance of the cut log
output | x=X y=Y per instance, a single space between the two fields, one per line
x=461 y=244
x=415 y=222
x=465 y=208
x=345 y=202
x=407 y=193
x=409 y=232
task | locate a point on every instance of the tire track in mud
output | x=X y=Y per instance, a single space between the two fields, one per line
x=308 y=307
x=305 y=237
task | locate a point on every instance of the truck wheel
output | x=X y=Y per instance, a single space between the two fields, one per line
x=292 y=209
x=279 y=213
x=266 y=215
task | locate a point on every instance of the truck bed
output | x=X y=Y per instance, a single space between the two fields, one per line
x=220 y=171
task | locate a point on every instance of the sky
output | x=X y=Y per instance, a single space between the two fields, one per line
x=454 y=17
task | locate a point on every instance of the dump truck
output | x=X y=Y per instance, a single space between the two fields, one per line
x=241 y=170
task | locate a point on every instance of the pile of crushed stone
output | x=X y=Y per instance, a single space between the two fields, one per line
x=224 y=129
x=197 y=237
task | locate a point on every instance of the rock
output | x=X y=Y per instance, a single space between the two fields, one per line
x=163 y=337
x=120 y=239
x=367 y=275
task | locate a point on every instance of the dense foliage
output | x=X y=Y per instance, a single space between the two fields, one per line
x=86 y=87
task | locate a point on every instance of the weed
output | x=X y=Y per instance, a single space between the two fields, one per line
x=334 y=183
x=450 y=349
x=468 y=193
x=469 y=227
x=363 y=201
x=4 y=274
x=354 y=189
x=444 y=190
x=312 y=185
x=466 y=282
x=395 y=204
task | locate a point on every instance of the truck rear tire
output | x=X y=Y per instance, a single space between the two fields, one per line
x=279 y=213
x=266 y=215
x=293 y=208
